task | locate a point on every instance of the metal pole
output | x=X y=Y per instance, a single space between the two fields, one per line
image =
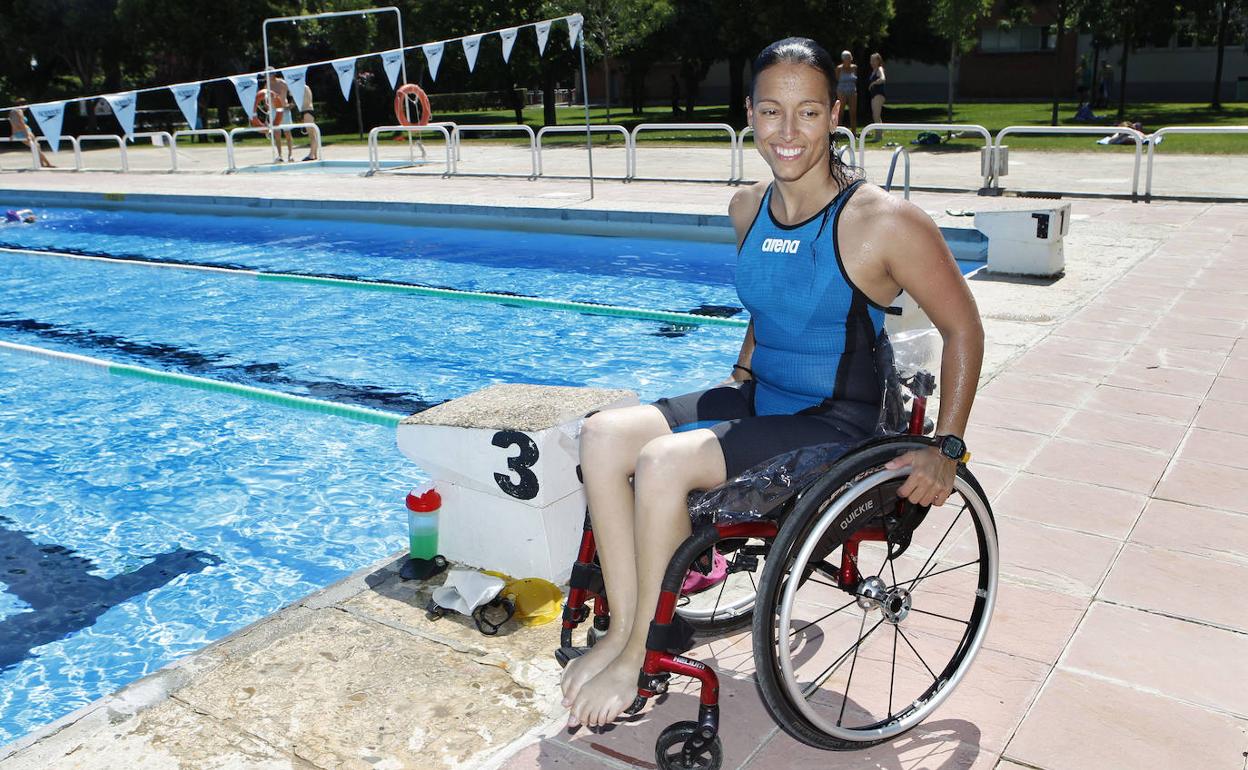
x=589 y=136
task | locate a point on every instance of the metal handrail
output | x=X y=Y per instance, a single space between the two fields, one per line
x=841 y=130
x=458 y=131
x=311 y=128
x=732 y=142
x=73 y=141
x=1152 y=142
x=862 y=137
x=1136 y=136
x=229 y=141
x=374 y=163
x=121 y=145
x=603 y=128
x=164 y=136
x=904 y=152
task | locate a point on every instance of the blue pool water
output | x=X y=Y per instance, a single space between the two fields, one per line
x=162 y=518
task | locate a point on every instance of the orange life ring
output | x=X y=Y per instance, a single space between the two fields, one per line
x=271 y=101
x=400 y=104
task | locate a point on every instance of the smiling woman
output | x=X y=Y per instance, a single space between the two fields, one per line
x=821 y=257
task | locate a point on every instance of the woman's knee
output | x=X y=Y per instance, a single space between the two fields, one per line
x=680 y=463
x=619 y=433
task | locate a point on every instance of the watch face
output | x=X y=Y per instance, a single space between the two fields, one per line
x=952 y=447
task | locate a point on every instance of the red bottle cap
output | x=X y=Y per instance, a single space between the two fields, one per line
x=425 y=502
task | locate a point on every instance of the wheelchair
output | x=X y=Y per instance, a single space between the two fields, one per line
x=866 y=610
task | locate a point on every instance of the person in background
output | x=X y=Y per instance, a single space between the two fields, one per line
x=276 y=84
x=875 y=89
x=1104 y=90
x=847 y=87
x=24 y=216
x=307 y=115
x=22 y=132
x=1083 y=81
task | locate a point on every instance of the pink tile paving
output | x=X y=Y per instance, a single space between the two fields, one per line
x=1015 y=415
x=1088 y=508
x=1001 y=447
x=1039 y=388
x=1160 y=579
x=1102 y=428
x=1217 y=447
x=1034 y=623
x=1080 y=722
x=1116 y=400
x=1207 y=532
x=1109 y=644
x=1216 y=486
x=1121 y=467
x=1223 y=416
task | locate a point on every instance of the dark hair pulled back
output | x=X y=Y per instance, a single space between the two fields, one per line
x=803 y=50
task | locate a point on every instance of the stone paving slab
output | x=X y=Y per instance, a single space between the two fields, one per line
x=1097 y=591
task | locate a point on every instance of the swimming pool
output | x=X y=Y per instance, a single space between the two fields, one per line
x=107 y=483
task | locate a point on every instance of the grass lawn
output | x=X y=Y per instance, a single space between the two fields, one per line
x=991 y=115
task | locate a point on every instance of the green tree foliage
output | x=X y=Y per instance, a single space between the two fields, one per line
x=1214 y=20
x=957 y=22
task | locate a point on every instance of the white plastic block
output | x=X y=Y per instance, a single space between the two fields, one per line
x=1026 y=241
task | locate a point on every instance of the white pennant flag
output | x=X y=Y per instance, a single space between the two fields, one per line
x=295 y=78
x=433 y=53
x=123 y=107
x=472 y=44
x=246 y=87
x=575 y=22
x=346 y=75
x=509 y=39
x=187 y=97
x=543 y=32
x=50 y=117
x=393 y=62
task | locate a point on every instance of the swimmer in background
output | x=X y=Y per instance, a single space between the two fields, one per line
x=25 y=216
x=22 y=132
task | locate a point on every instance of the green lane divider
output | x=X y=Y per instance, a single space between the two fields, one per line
x=618 y=311
x=360 y=413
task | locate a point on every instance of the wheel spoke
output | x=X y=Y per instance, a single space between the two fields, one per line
x=818 y=681
x=722 y=585
x=797 y=631
x=892 y=675
x=932 y=555
x=906 y=639
x=850 y=680
x=938 y=615
x=934 y=574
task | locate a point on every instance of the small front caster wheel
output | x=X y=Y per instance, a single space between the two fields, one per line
x=680 y=747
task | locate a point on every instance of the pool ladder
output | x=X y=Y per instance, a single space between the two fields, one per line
x=892 y=169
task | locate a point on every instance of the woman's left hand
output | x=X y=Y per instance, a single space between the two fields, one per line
x=931 y=476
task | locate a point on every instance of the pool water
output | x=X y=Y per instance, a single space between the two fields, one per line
x=140 y=521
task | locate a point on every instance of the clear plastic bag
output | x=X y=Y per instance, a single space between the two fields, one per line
x=904 y=362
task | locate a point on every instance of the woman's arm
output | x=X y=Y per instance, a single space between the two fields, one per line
x=742 y=210
x=917 y=258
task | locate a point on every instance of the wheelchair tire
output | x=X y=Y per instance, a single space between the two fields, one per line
x=809 y=545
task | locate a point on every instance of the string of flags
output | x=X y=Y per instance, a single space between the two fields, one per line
x=50 y=115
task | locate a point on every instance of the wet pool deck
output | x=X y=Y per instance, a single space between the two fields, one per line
x=1110 y=430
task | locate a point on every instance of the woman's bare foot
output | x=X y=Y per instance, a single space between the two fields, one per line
x=581 y=670
x=602 y=699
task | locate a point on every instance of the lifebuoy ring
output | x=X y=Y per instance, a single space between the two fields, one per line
x=400 y=104
x=270 y=101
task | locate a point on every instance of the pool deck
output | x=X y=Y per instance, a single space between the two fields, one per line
x=1109 y=429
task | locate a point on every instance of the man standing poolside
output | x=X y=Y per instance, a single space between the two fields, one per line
x=306 y=115
x=22 y=132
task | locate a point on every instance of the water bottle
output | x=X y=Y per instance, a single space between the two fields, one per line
x=423 y=504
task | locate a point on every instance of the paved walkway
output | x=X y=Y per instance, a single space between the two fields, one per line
x=1110 y=432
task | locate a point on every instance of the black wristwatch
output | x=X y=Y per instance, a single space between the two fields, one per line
x=953 y=447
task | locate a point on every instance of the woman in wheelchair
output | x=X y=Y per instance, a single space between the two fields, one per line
x=822 y=256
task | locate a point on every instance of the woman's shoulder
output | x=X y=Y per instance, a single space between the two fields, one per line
x=744 y=205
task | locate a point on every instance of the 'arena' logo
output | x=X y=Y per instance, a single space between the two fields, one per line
x=781 y=246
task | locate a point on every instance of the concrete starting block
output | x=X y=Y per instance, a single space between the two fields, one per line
x=1026 y=241
x=504 y=460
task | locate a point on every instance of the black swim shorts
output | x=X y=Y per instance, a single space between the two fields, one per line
x=747 y=439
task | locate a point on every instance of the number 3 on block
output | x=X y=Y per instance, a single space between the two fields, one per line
x=521 y=465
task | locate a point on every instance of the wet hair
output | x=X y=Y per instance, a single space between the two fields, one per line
x=803 y=50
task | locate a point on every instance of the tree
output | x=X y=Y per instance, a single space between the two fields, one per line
x=1131 y=23
x=1217 y=15
x=957 y=21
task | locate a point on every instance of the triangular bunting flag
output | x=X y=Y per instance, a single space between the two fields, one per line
x=246 y=87
x=472 y=44
x=433 y=53
x=393 y=62
x=346 y=75
x=50 y=117
x=575 y=22
x=123 y=108
x=543 y=32
x=187 y=97
x=509 y=39
x=296 y=78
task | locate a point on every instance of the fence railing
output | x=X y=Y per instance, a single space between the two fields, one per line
x=1136 y=136
x=459 y=130
x=732 y=144
x=34 y=154
x=121 y=145
x=1156 y=136
x=374 y=162
x=748 y=130
x=609 y=128
x=221 y=132
x=985 y=166
x=311 y=128
x=164 y=138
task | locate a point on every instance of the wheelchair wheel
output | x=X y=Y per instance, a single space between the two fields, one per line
x=728 y=606
x=848 y=664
